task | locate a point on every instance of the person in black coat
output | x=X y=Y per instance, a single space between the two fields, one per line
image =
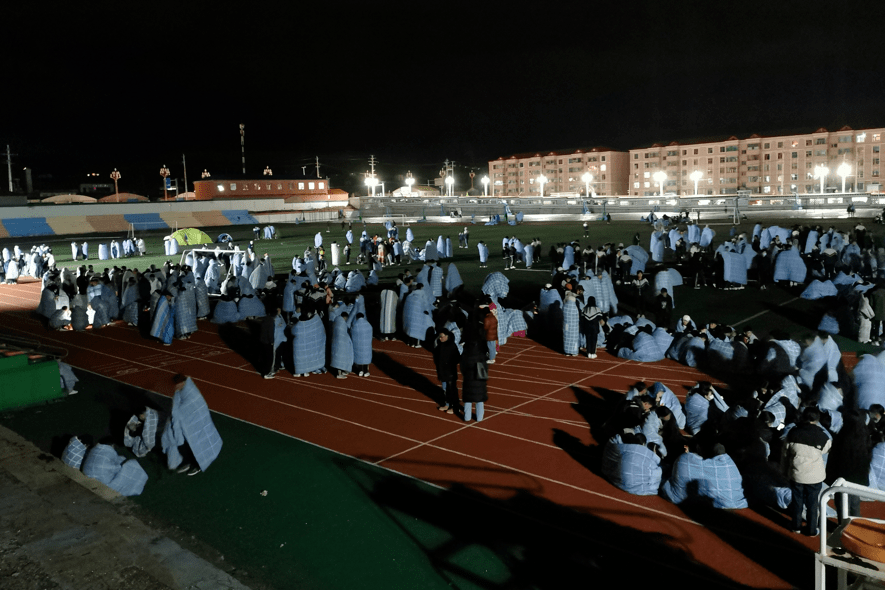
x=475 y=369
x=445 y=356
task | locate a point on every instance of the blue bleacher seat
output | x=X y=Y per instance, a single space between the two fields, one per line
x=239 y=217
x=143 y=221
x=27 y=226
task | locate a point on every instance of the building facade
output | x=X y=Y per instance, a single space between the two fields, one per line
x=312 y=193
x=763 y=165
x=518 y=175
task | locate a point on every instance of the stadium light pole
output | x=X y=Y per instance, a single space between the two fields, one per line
x=409 y=182
x=450 y=185
x=844 y=170
x=116 y=176
x=164 y=172
x=268 y=171
x=206 y=173
x=485 y=186
x=542 y=180
x=696 y=176
x=821 y=173
x=660 y=177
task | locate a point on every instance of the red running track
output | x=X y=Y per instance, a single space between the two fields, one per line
x=533 y=391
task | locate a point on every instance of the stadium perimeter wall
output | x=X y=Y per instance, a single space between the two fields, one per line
x=50 y=220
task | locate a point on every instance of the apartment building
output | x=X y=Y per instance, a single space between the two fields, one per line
x=764 y=165
x=519 y=175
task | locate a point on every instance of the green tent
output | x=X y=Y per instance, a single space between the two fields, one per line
x=192 y=237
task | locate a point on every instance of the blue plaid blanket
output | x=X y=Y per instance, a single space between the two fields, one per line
x=225 y=312
x=819 y=289
x=355 y=282
x=436 y=281
x=789 y=266
x=453 y=278
x=163 y=326
x=639 y=258
x=656 y=246
x=735 y=270
x=142 y=444
x=342 y=346
x=496 y=286
x=877 y=467
x=416 y=320
x=688 y=470
x=74 y=453
x=707 y=236
x=722 y=483
x=632 y=468
x=309 y=346
x=361 y=336
x=570 y=328
x=869 y=375
x=102 y=463
x=191 y=417
x=644 y=349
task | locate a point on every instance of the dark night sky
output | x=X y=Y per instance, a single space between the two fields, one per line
x=102 y=84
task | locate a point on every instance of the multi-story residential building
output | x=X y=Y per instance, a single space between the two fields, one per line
x=518 y=175
x=765 y=165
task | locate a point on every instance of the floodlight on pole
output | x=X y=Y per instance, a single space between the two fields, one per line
x=485 y=186
x=660 y=177
x=450 y=185
x=164 y=172
x=542 y=180
x=371 y=182
x=115 y=175
x=409 y=182
x=844 y=170
x=696 y=176
x=821 y=173
x=587 y=178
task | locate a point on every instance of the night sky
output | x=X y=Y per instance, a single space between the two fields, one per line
x=97 y=85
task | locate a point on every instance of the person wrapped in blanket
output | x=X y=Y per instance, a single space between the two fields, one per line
x=190 y=439
x=630 y=465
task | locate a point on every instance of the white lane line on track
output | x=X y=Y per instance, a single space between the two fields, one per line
x=498 y=414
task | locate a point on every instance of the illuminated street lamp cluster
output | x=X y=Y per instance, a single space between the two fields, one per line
x=164 y=172
x=821 y=172
x=115 y=175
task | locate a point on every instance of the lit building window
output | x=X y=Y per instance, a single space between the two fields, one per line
x=322 y=185
x=301 y=186
x=310 y=186
x=233 y=186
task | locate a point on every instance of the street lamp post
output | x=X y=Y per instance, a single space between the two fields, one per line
x=587 y=178
x=542 y=180
x=409 y=182
x=268 y=171
x=206 y=173
x=450 y=185
x=660 y=177
x=844 y=170
x=696 y=176
x=164 y=172
x=485 y=186
x=821 y=173
x=116 y=176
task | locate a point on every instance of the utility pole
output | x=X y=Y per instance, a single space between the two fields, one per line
x=318 y=166
x=243 y=146
x=184 y=164
x=9 y=155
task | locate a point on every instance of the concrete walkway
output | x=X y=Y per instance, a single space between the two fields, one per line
x=61 y=529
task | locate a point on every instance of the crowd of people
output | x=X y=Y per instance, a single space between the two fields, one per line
x=789 y=407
